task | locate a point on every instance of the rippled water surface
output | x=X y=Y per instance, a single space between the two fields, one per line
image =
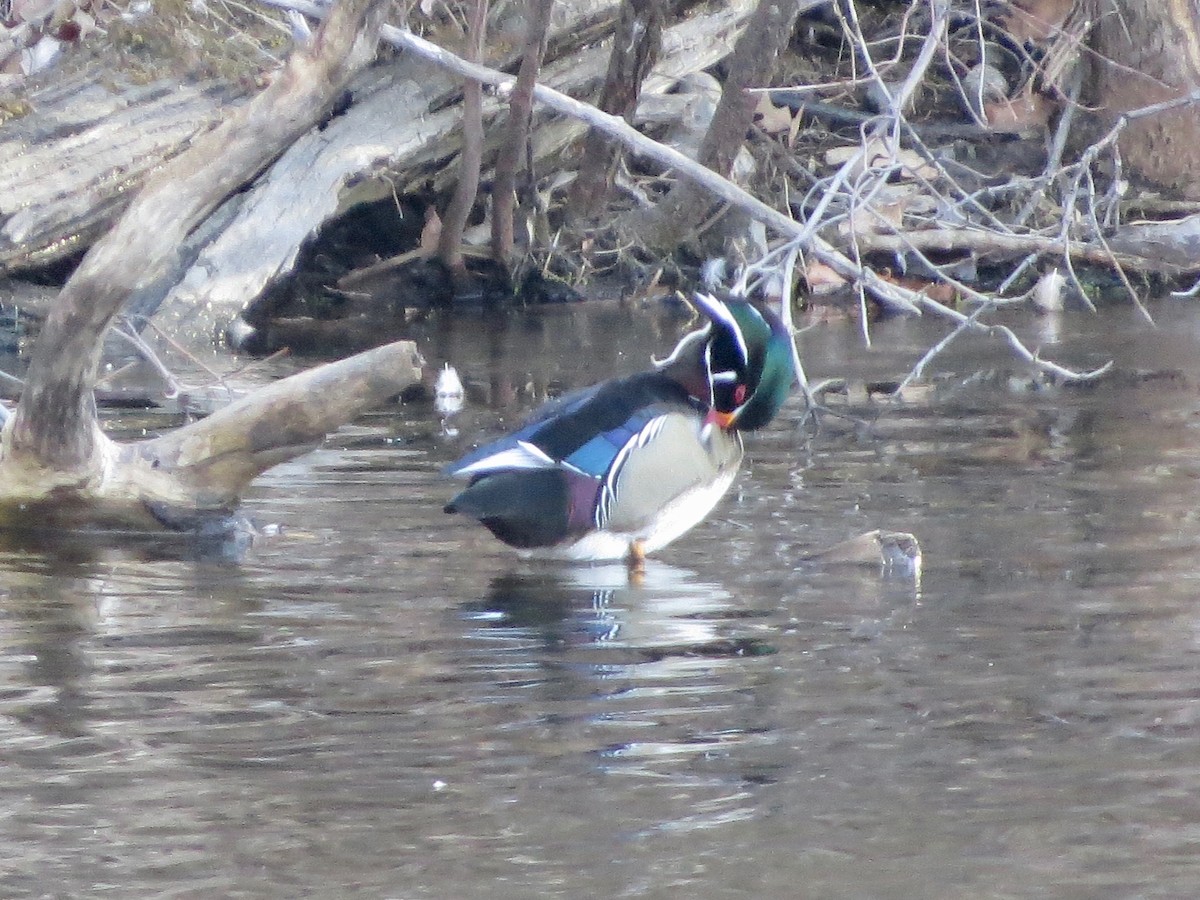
x=381 y=701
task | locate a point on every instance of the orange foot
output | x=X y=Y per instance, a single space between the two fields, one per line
x=636 y=560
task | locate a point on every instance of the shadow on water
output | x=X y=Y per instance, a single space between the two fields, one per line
x=227 y=545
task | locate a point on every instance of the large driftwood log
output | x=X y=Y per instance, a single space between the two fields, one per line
x=66 y=168
x=55 y=459
x=84 y=141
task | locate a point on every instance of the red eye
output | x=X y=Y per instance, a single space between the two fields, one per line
x=739 y=394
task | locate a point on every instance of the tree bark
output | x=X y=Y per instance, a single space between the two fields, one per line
x=1149 y=53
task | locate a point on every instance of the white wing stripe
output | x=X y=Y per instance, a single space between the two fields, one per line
x=523 y=456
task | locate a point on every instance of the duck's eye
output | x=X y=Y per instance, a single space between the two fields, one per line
x=727 y=393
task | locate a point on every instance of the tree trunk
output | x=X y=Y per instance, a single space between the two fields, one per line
x=1148 y=53
x=635 y=52
x=454 y=222
x=752 y=65
x=516 y=132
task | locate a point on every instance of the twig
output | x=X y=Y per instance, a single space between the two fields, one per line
x=1120 y=270
x=1002 y=331
x=125 y=330
x=919 y=369
x=257 y=364
x=216 y=376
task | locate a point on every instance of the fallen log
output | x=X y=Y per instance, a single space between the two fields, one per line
x=77 y=143
x=67 y=167
x=56 y=465
x=194 y=476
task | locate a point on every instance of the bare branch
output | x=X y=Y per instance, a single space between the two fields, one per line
x=804 y=234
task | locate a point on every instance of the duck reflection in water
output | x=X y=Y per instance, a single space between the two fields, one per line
x=666 y=612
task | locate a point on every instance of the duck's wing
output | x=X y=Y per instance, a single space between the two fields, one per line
x=583 y=432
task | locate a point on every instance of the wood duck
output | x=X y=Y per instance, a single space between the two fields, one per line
x=623 y=468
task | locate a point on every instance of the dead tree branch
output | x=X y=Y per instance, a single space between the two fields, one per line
x=54 y=454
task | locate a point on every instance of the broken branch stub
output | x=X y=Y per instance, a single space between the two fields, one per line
x=202 y=469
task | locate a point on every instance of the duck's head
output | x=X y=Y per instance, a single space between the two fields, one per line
x=743 y=358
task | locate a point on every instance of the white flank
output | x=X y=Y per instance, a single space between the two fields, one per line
x=608 y=493
x=674 y=520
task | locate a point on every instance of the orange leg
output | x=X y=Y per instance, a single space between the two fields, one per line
x=636 y=560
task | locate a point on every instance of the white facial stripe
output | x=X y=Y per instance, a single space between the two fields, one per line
x=723 y=377
x=687 y=340
x=719 y=312
x=712 y=399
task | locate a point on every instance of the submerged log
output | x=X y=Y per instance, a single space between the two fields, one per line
x=54 y=459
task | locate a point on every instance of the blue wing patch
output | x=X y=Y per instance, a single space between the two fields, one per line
x=597 y=455
x=541 y=418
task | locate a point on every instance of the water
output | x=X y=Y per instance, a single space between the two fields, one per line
x=381 y=701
